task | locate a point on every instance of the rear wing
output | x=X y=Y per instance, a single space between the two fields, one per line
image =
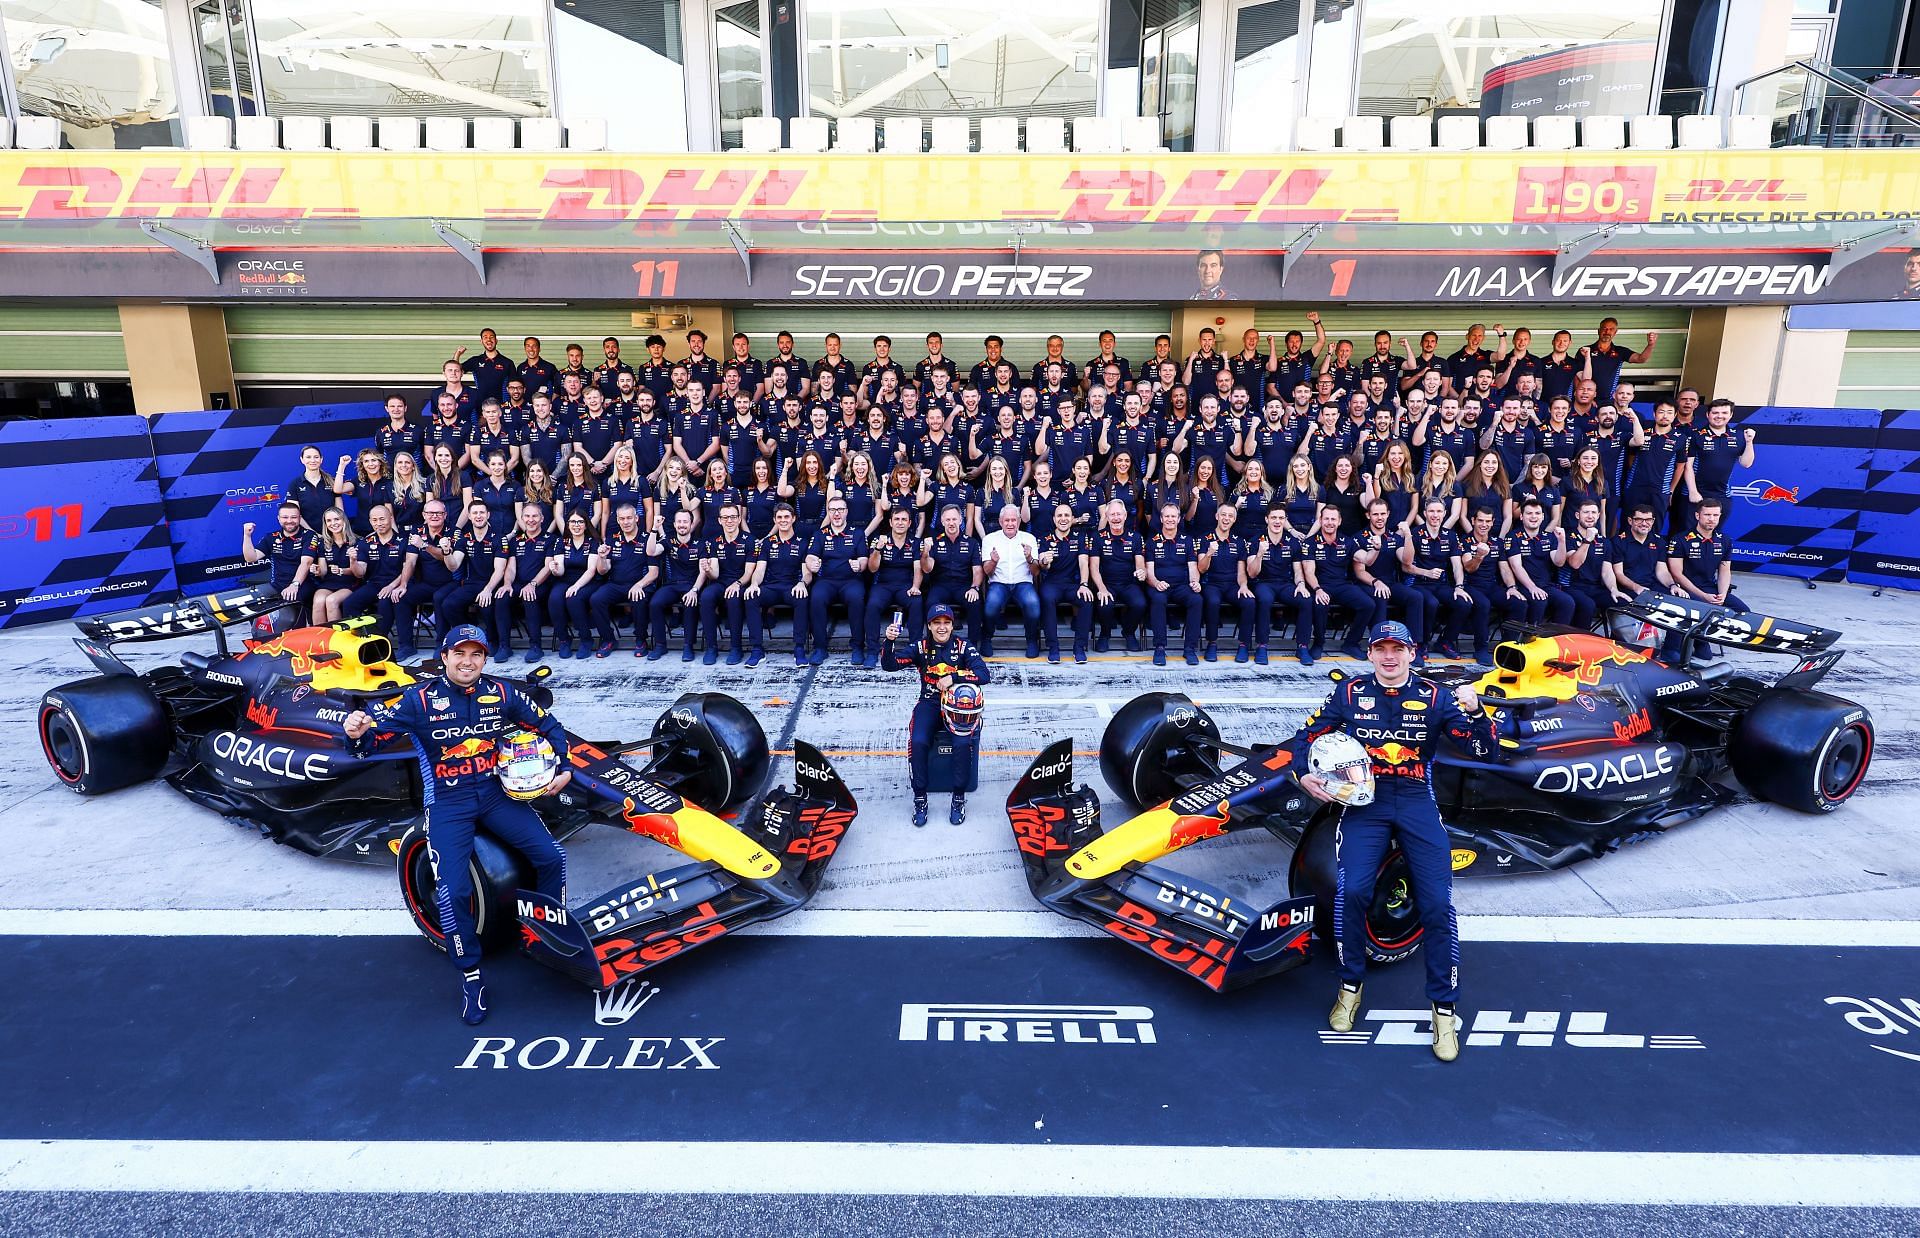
x=213 y=612
x=1720 y=626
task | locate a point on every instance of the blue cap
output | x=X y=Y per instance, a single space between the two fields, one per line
x=466 y=634
x=940 y=612
x=1392 y=629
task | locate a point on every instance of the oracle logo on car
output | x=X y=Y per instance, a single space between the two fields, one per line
x=1633 y=767
x=1017 y=1023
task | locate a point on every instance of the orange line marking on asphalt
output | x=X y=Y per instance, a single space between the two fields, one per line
x=901 y=752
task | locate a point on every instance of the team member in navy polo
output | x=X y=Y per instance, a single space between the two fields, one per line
x=1330 y=436
x=702 y=371
x=1639 y=555
x=1531 y=559
x=576 y=574
x=683 y=559
x=655 y=374
x=1701 y=563
x=1658 y=465
x=536 y=372
x=1716 y=450
x=399 y=434
x=1430 y=563
x=837 y=559
x=1427 y=360
x=1173 y=579
x=950 y=566
x=544 y=437
x=313 y=491
x=448 y=428
x=1063 y=581
x=457 y=721
x=488 y=369
x=1272 y=566
x=1608 y=358
x=893 y=562
x=752 y=371
x=780 y=578
x=480 y=558
x=1117 y=566
x=1224 y=584
x=529 y=582
x=290 y=550
x=1328 y=570
x=1512 y=437
x=1442 y=430
x=383 y=553
x=427 y=577
x=501 y=495
x=1589 y=571
x=1481 y=551
x=625 y=564
x=729 y=571
x=1399 y=718
x=606 y=375
x=453 y=387
x=1377 y=565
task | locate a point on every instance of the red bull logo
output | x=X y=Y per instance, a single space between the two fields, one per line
x=470 y=747
x=659 y=826
x=1188 y=830
x=469 y=756
x=1764 y=492
x=1396 y=755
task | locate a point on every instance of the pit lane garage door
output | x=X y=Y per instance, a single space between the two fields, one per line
x=70 y=342
x=1025 y=331
x=1359 y=322
x=1881 y=370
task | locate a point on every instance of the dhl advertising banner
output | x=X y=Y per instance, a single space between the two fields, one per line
x=1797 y=186
x=81 y=526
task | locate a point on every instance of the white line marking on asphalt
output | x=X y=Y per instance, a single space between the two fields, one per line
x=1086 y=1171
x=888 y=922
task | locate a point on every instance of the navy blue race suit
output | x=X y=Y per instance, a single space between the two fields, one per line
x=457 y=732
x=957 y=657
x=1399 y=728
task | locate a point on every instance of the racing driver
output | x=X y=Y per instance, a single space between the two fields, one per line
x=457 y=723
x=1398 y=717
x=943 y=660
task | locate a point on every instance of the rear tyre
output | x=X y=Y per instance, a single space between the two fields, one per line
x=1157 y=745
x=1803 y=750
x=104 y=733
x=497 y=872
x=1393 y=922
x=711 y=749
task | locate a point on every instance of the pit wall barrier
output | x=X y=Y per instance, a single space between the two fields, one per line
x=111 y=513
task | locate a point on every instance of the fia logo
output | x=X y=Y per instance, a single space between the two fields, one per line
x=616 y=1006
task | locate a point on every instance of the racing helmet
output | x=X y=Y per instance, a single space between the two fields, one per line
x=960 y=708
x=527 y=765
x=1343 y=762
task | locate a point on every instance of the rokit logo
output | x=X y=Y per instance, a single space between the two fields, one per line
x=1883 y=1016
x=1495 y=1029
x=1014 y=1023
x=613 y=1007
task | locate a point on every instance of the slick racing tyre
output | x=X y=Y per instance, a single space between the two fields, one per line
x=497 y=871
x=709 y=747
x=104 y=733
x=1156 y=746
x=1393 y=923
x=1802 y=750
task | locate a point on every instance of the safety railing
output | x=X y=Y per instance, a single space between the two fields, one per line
x=1811 y=103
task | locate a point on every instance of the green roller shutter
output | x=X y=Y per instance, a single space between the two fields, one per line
x=348 y=344
x=1881 y=370
x=961 y=330
x=1359 y=322
x=69 y=342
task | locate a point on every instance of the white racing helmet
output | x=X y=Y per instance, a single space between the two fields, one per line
x=528 y=764
x=1343 y=762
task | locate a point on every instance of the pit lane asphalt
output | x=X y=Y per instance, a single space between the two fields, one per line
x=146 y=848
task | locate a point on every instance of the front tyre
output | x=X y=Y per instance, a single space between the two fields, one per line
x=1157 y=745
x=496 y=872
x=1803 y=750
x=104 y=733
x=712 y=750
x=1393 y=921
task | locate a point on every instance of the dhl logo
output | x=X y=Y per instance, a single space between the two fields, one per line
x=166 y=191
x=1735 y=191
x=1257 y=195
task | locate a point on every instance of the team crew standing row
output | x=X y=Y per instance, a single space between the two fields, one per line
x=1297 y=486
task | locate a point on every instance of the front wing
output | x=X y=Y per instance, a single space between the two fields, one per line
x=769 y=864
x=1216 y=939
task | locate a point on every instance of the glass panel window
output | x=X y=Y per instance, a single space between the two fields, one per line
x=740 y=68
x=982 y=58
x=221 y=26
x=1266 y=74
x=622 y=60
x=99 y=67
x=1506 y=57
x=404 y=57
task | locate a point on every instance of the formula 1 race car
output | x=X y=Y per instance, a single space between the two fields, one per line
x=255 y=734
x=1601 y=745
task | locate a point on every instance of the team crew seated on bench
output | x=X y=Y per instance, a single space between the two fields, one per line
x=289 y=551
x=1701 y=566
